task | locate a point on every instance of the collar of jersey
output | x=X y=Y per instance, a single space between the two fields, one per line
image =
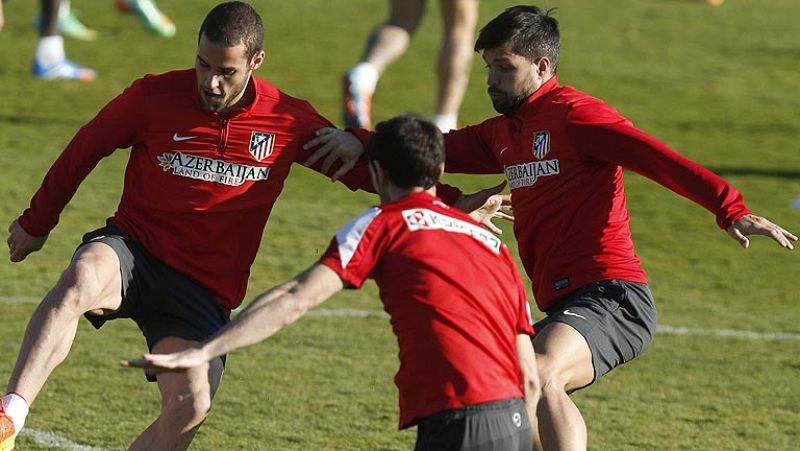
x=532 y=103
x=422 y=195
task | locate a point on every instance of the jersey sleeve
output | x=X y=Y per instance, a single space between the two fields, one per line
x=118 y=125
x=357 y=248
x=602 y=134
x=468 y=151
x=358 y=178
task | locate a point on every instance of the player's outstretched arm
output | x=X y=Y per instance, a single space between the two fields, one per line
x=334 y=144
x=21 y=243
x=266 y=315
x=756 y=225
x=487 y=204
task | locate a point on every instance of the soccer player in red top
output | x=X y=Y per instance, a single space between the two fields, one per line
x=452 y=292
x=210 y=150
x=563 y=153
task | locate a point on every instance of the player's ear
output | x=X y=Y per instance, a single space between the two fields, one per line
x=257 y=60
x=542 y=65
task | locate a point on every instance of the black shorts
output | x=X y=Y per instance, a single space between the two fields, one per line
x=616 y=318
x=494 y=426
x=162 y=301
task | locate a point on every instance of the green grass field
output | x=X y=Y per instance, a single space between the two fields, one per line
x=718 y=84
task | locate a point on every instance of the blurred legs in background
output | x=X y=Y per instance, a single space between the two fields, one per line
x=389 y=40
x=50 y=61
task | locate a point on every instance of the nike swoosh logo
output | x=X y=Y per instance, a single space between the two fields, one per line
x=176 y=137
x=503 y=150
x=567 y=312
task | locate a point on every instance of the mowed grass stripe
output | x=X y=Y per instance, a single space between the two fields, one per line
x=662 y=328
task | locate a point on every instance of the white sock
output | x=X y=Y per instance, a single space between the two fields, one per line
x=446 y=122
x=63 y=9
x=50 y=51
x=17 y=409
x=367 y=76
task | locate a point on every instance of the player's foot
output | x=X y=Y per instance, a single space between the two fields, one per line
x=69 y=25
x=7 y=432
x=152 y=17
x=357 y=102
x=65 y=70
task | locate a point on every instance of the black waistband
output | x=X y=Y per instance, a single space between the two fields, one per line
x=493 y=405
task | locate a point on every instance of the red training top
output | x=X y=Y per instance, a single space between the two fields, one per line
x=453 y=294
x=563 y=153
x=199 y=187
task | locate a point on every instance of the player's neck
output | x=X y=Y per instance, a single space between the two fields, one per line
x=245 y=98
x=393 y=193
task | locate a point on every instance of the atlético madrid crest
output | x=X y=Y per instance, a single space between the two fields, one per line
x=261 y=144
x=541 y=143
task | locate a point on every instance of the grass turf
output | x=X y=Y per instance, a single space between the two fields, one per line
x=718 y=84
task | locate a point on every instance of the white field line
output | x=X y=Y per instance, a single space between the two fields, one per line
x=662 y=328
x=55 y=441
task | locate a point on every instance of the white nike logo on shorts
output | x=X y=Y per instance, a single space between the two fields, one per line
x=567 y=312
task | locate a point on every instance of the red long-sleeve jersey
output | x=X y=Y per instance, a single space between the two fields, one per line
x=198 y=187
x=562 y=153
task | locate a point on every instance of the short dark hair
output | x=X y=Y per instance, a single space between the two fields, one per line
x=234 y=23
x=409 y=149
x=526 y=30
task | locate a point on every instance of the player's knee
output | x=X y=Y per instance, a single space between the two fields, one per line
x=460 y=38
x=77 y=288
x=186 y=412
x=551 y=375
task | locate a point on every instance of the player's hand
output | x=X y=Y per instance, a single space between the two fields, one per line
x=756 y=225
x=20 y=243
x=174 y=362
x=334 y=145
x=486 y=205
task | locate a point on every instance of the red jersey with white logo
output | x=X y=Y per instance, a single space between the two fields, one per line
x=198 y=187
x=563 y=153
x=453 y=295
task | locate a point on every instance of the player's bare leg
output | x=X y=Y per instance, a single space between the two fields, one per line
x=2 y=18
x=90 y=283
x=455 y=59
x=387 y=42
x=564 y=363
x=185 y=401
x=390 y=40
x=50 y=61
